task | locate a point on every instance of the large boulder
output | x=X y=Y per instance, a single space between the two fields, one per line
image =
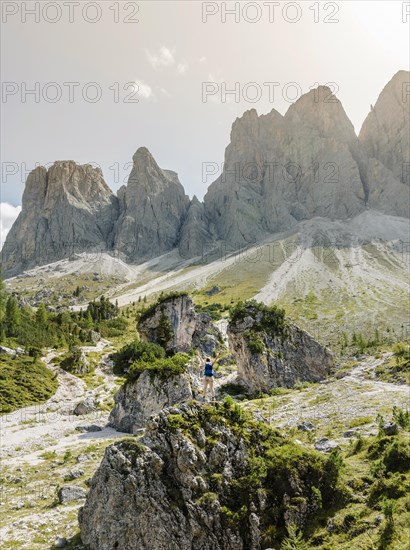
x=272 y=352
x=136 y=401
x=188 y=485
x=85 y=406
x=70 y=493
x=174 y=323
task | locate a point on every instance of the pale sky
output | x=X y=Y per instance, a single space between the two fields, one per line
x=173 y=49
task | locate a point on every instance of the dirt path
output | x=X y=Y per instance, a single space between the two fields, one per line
x=51 y=425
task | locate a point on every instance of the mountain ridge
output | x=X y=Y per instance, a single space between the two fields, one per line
x=278 y=171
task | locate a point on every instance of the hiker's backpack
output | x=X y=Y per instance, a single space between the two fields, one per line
x=209 y=371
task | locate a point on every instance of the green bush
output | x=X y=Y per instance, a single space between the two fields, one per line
x=162 y=367
x=389 y=508
x=397 y=456
x=127 y=355
x=401 y=352
x=266 y=318
x=164 y=331
x=214 y=310
x=255 y=343
x=294 y=540
x=332 y=470
x=402 y=417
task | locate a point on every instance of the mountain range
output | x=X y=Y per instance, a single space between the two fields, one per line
x=278 y=171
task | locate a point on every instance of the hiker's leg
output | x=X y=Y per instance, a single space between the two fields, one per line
x=205 y=386
x=211 y=384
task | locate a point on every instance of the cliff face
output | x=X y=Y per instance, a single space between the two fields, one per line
x=385 y=136
x=194 y=472
x=385 y=133
x=269 y=356
x=66 y=209
x=279 y=170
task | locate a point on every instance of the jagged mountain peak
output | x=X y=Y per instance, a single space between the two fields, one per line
x=320 y=111
x=142 y=154
x=153 y=207
x=385 y=133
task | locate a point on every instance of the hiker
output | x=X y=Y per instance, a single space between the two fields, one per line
x=208 y=375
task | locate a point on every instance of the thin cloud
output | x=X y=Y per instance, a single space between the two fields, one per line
x=202 y=59
x=8 y=215
x=144 y=89
x=182 y=68
x=165 y=58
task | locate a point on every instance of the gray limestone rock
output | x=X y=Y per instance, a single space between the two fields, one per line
x=153 y=207
x=268 y=358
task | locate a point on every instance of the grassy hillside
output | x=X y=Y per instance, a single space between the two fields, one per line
x=24 y=382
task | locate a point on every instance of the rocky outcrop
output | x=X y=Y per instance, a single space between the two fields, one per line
x=153 y=207
x=66 y=209
x=269 y=356
x=174 y=323
x=385 y=134
x=85 y=406
x=136 y=401
x=191 y=484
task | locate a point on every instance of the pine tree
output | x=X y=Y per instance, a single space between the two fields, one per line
x=41 y=315
x=13 y=317
x=89 y=320
x=3 y=300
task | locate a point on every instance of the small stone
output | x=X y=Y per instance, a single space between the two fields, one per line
x=326 y=445
x=306 y=427
x=350 y=433
x=378 y=519
x=60 y=542
x=84 y=457
x=89 y=428
x=69 y=493
x=74 y=474
x=214 y=290
x=19 y=479
x=331 y=525
x=390 y=428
